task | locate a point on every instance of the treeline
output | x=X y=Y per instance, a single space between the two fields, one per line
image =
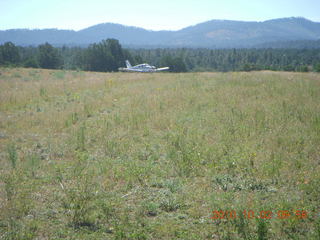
x=105 y=56
x=108 y=55
x=235 y=59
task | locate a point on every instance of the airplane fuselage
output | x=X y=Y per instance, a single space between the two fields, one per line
x=144 y=67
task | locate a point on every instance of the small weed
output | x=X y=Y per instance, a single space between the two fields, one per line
x=19 y=198
x=10 y=184
x=34 y=73
x=262 y=229
x=317 y=227
x=17 y=230
x=59 y=74
x=44 y=93
x=12 y=155
x=184 y=154
x=87 y=110
x=16 y=75
x=172 y=184
x=33 y=162
x=72 y=119
x=26 y=79
x=81 y=139
x=170 y=203
x=111 y=148
x=150 y=208
x=80 y=199
x=242 y=226
x=232 y=183
x=77 y=74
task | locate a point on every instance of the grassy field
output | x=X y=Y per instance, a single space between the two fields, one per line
x=156 y=156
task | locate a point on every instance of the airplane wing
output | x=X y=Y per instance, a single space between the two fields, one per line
x=162 y=69
x=130 y=70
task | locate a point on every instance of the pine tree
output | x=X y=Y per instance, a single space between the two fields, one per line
x=49 y=57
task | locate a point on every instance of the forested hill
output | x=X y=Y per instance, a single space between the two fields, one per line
x=212 y=34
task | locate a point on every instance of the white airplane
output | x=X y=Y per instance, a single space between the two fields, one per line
x=144 y=67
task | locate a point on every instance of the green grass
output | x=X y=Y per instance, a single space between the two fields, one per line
x=151 y=156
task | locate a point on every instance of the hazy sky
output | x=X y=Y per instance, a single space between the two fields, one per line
x=155 y=15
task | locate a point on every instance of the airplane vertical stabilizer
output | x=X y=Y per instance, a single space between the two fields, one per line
x=128 y=64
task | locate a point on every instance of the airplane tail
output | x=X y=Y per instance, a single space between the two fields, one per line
x=128 y=64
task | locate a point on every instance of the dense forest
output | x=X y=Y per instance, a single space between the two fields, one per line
x=108 y=55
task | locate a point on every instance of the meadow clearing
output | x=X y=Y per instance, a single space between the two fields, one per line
x=87 y=155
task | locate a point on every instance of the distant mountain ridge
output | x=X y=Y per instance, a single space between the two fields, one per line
x=210 y=34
